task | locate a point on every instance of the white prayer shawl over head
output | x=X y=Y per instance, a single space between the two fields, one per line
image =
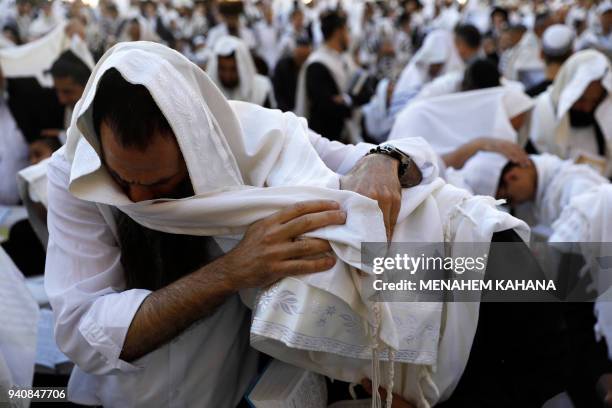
x=144 y=27
x=438 y=48
x=245 y=163
x=558 y=182
x=550 y=127
x=253 y=88
x=35 y=58
x=449 y=121
x=482 y=173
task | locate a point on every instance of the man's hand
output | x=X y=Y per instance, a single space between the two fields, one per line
x=512 y=151
x=398 y=402
x=268 y=252
x=271 y=251
x=375 y=176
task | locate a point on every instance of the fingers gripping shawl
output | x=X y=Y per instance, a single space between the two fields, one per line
x=245 y=163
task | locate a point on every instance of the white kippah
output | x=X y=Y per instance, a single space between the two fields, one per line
x=557 y=40
x=604 y=7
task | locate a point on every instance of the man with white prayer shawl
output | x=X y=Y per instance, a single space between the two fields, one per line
x=573 y=119
x=569 y=203
x=232 y=68
x=523 y=57
x=231 y=24
x=323 y=94
x=133 y=202
x=467 y=41
x=437 y=56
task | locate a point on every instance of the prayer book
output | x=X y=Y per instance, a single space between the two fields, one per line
x=285 y=386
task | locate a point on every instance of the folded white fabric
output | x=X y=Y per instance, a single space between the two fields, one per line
x=449 y=121
x=18 y=327
x=35 y=58
x=245 y=163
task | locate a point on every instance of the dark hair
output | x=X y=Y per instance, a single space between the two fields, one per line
x=403 y=19
x=332 y=21
x=509 y=166
x=295 y=11
x=129 y=110
x=500 y=10
x=68 y=65
x=14 y=30
x=480 y=74
x=469 y=35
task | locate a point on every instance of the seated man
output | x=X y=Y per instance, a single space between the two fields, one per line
x=232 y=69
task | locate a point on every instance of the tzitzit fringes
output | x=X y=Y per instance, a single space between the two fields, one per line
x=391 y=376
x=376 y=401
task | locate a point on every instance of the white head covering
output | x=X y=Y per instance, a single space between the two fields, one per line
x=438 y=48
x=228 y=167
x=33 y=59
x=482 y=172
x=604 y=7
x=146 y=31
x=252 y=87
x=550 y=129
x=449 y=121
x=558 y=40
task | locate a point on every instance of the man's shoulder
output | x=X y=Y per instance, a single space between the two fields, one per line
x=58 y=168
x=257 y=119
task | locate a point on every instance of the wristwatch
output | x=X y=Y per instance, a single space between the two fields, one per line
x=408 y=173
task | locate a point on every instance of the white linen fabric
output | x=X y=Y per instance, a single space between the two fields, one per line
x=480 y=173
x=33 y=179
x=376 y=113
x=239 y=178
x=550 y=128
x=558 y=182
x=36 y=57
x=449 y=121
x=19 y=322
x=253 y=88
x=438 y=48
x=13 y=155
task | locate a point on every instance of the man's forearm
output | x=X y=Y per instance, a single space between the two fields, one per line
x=167 y=312
x=462 y=154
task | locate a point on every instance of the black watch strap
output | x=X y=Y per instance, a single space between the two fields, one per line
x=405 y=163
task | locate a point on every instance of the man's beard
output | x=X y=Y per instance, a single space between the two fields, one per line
x=580 y=119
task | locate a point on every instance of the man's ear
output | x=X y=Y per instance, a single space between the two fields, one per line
x=509 y=176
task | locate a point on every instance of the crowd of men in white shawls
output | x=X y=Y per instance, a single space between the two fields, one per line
x=513 y=99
